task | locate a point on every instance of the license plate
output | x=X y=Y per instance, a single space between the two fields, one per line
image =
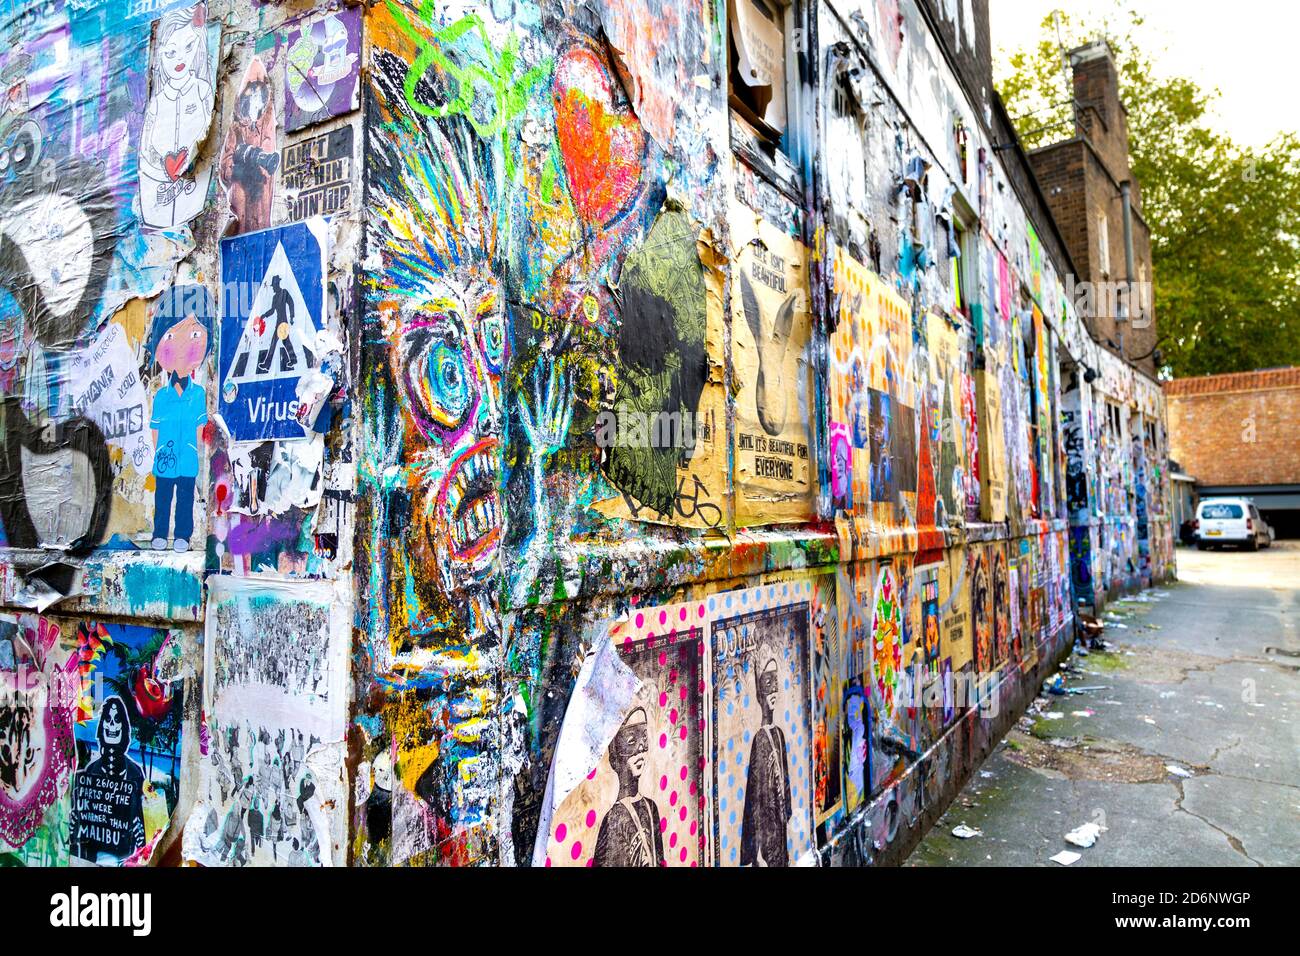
x=1213 y=533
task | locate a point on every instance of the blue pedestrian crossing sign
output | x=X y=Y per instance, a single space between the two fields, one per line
x=273 y=299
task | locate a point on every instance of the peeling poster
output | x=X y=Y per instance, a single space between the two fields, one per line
x=770 y=337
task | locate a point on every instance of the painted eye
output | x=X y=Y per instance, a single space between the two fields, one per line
x=435 y=374
x=494 y=343
x=446 y=379
x=195 y=334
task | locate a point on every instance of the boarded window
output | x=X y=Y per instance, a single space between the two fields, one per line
x=1103 y=244
x=758 y=63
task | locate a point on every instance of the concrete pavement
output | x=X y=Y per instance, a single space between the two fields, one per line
x=1204 y=677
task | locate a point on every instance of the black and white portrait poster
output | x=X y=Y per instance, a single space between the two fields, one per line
x=628 y=784
x=762 y=760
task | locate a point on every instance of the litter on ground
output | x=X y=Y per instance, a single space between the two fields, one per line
x=1084 y=835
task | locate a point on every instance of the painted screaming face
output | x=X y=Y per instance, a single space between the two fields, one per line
x=448 y=357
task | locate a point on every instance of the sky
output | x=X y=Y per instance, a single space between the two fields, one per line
x=1247 y=49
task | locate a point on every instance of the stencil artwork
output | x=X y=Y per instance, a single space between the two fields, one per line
x=173 y=188
x=640 y=799
x=762 y=763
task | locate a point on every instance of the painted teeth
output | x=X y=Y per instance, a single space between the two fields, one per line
x=479 y=518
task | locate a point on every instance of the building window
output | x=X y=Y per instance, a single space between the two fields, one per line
x=758 y=64
x=1103 y=244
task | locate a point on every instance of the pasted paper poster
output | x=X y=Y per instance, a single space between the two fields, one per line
x=38 y=696
x=273 y=304
x=756 y=26
x=770 y=330
x=321 y=56
x=944 y=393
x=182 y=72
x=893 y=679
x=1001 y=584
x=249 y=156
x=848 y=405
x=762 y=763
x=992 y=447
x=981 y=609
x=827 y=704
x=316 y=174
x=853 y=597
x=105 y=385
x=275 y=705
x=942 y=641
x=129 y=741
x=640 y=796
x=874 y=395
x=666 y=454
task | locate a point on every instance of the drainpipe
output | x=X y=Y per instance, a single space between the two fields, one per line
x=1126 y=197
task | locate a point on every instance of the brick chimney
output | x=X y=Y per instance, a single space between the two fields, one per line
x=1101 y=115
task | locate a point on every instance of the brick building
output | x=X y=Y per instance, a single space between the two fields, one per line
x=1236 y=434
x=1091 y=191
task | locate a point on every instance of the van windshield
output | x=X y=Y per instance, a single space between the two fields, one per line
x=1221 y=511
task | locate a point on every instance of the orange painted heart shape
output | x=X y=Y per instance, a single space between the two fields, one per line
x=603 y=147
x=174 y=163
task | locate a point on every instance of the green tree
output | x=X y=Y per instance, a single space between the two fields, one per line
x=1224 y=218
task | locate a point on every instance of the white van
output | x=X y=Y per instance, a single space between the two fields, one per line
x=1230 y=521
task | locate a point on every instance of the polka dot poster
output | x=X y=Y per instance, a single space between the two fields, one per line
x=644 y=803
x=762 y=758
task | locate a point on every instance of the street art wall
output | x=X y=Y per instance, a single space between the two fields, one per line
x=528 y=432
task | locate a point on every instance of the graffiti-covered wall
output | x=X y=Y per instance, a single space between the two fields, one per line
x=531 y=432
x=180 y=213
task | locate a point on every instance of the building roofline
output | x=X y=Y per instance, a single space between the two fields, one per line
x=1264 y=378
x=1000 y=110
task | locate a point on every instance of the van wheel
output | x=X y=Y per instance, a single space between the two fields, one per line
x=1202 y=546
x=1253 y=544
